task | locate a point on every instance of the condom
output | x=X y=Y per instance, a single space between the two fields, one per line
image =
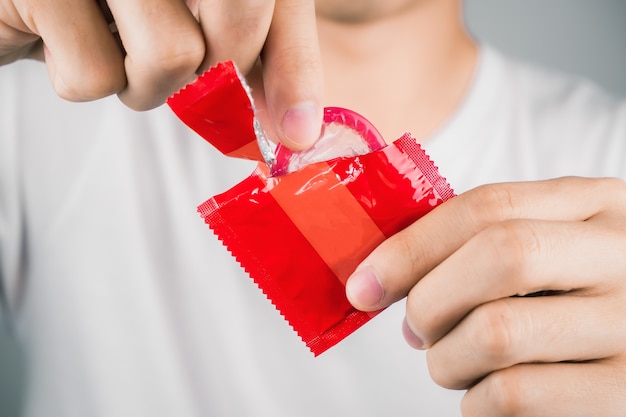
x=301 y=223
x=220 y=108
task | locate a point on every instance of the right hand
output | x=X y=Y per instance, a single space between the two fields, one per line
x=154 y=47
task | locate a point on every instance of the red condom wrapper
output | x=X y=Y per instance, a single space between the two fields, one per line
x=301 y=230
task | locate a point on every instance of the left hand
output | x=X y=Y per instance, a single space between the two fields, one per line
x=469 y=269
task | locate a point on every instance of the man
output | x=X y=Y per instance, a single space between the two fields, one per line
x=127 y=306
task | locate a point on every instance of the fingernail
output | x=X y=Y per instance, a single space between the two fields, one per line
x=364 y=289
x=410 y=337
x=302 y=124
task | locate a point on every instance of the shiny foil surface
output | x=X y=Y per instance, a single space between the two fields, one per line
x=301 y=229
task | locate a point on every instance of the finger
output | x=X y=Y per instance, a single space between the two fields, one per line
x=388 y=273
x=516 y=257
x=164 y=47
x=16 y=39
x=235 y=30
x=81 y=54
x=293 y=74
x=108 y=16
x=555 y=390
x=503 y=333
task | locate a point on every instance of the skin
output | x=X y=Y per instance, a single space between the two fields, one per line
x=559 y=352
x=466 y=267
x=427 y=37
x=166 y=43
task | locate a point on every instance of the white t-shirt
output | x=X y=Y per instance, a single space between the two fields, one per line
x=129 y=306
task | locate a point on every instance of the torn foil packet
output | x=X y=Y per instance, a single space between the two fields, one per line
x=302 y=221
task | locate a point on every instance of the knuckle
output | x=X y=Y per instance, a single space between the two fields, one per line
x=611 y=183
x=255 y=20
x=613 y=187
x=513 y=245
x=241 y=36
x=93 y=84
x=439 y=370
x=415 y=248
x=494 y=332
x=437 y=374
x=606 y=191
x=176 y=59
x=490 y=203
x=504 y=393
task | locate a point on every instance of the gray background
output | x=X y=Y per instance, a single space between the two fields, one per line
x=586 y=37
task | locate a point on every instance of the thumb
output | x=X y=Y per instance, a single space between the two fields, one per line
x=292 y=74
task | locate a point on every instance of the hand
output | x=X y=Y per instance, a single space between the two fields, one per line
x=519 y=293
x=145 y=50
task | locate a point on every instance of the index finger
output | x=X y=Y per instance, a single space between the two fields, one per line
x=82 y=56
x=400 y=262
x=164 y=47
